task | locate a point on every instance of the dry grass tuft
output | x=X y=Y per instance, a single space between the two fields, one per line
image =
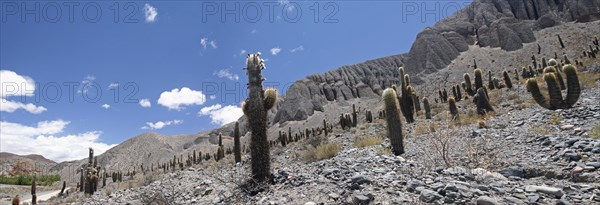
x=588 y=80
x=361 y=142
x=323 y=151
x=595 y=132
x=424 y=128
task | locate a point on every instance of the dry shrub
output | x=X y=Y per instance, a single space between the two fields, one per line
x=361 y=142
x=424 y=128
x=468 y=118
x=595 y=132
x=323 y=151
x=495 y=97
x=450 y=147
x=384 y=151
x=588 y=80
x=540 y=129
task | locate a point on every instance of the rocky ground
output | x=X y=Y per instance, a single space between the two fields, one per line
x=523 y=154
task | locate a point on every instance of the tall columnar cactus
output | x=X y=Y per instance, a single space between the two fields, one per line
x=427 y=108
x=491 y=85
x=416 y=102
x=369 y=116
x=33 y=194
x=507 y=80
x=445 y=95
x=478 y=79
x=354 y=118
x=441 y=96
x=408 y=105
x=458 y=92
x=517 y=75
x=556 y=100
x=220 y=150
x=236 y=143
x=343 y=122
x=562 y=45
x=325 y=127
x=468 y=85
x=452 y=108
x=454 y=92
x=258 y=103
x=394 y=124
x=483 y=103
x=81 y=179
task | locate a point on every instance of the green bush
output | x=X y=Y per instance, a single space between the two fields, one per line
x=45 y=180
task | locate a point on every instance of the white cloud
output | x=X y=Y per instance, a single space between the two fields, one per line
x=105 y=106
x=145 y=103
x=41 y=139
x=275 y=50
x=11 y=106
x=113 y=86
x=204 y=42
x=225 y=73
x=299 y=48
x=13 y=84
x=221 y=115
x=150 y=12
x=212 y=97
x=160 y=124
x=86 y=84
x=253 y=31
x=242 y=52
x=177 y=99
x=286 y=4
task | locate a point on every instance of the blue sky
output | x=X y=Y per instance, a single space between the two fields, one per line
x=181 y=60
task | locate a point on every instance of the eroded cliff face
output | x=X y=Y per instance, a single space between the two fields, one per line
x=506 y=24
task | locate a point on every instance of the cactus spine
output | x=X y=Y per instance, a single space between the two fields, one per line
x=394 y=125
x=236 y=143
x=556 y=100
x=426 y=108
x=258 y=103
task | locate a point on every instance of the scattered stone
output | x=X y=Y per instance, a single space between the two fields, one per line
x=556 y=192
x=484 y=200
x=429 y=196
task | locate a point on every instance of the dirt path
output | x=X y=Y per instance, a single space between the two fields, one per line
x=42 y=196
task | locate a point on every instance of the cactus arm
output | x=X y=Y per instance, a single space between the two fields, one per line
x=553 y=90
x=573 y=86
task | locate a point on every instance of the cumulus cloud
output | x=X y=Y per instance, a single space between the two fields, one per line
x=212 y=97
x=221 y=115
x=299 y=48
x=225 y=73
x=41 y=139
x=177 y=99
x=145 y=103
x=150 y=13
x=160 y=124
x=105 y=106
x=242 y=52
x=13 y=84
x=275 y=51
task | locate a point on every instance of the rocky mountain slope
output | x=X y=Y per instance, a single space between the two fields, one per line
x=32 y=162
x=523 y=155
x=494 y=33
